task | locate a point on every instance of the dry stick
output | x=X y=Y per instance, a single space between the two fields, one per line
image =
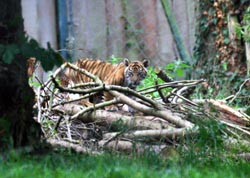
x=160 y=92
x=162 y=75
x=178 y=92
x=170 y=84
x=107 y=88
x=77 y=91
x=82 y=85
x=175 y=84
x=161 y=112
x=61 y=68
x=170 y=133
x=74 y=100
x=178 y=95
x=46 y=85
x=51 y=98
x=91 y=108
x=58 y=123
x=134 y=93
x=238 y=92
x=106 y=142
x=235 y=127
x=39 y=105
x=68 y=128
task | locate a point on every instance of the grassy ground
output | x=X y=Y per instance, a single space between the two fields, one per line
x=116 y=166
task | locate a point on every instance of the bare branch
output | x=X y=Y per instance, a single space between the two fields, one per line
x=170 y=133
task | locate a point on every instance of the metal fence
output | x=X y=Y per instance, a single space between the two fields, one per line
x=124 y=28
x=135 y=29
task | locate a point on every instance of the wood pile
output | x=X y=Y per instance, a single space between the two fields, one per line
x=157 y=123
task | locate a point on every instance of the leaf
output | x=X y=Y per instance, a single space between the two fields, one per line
x=182 y=65
x=28 y=51
x=170 y=66
x=45 y=59
x=10 y=52
x=179 y=72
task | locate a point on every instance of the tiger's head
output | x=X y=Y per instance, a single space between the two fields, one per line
x=134 y=72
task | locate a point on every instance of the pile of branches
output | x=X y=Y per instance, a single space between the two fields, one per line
x=66 y=121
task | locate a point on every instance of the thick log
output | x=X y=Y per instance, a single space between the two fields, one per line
x=77 y=148
x=129 y=146
x=228 y=113
x=111 y=117
x=170 y=133
x=160 y=112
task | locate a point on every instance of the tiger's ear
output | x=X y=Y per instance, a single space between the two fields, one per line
x=145 y=63
x=126 y=61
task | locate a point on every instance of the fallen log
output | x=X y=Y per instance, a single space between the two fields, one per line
x=228 y=113
x=160 y=112
x=111 y=117
x=77 y=148
x=170 y=133
x=129 y=146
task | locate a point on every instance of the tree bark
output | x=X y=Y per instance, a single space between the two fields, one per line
x=17 y=125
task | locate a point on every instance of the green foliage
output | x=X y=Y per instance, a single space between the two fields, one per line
x=65 y=164
x=150 y=79
x=176 y=69
x=115 y=60
x=243 y=32
x=48 y=57
x=213 y=50
x=224 y=84
x=173 y=70
x=206 y=147
x=30 y=48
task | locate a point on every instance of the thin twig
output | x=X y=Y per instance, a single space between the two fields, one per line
x=238 y=92
x=95 y=106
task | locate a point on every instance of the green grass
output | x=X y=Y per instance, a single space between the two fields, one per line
x=116 y=166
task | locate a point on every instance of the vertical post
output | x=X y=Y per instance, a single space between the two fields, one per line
x=175 y=31
x=62 y=25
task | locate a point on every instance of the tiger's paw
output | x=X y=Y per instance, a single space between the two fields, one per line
x=131 y=110
x=112 y=108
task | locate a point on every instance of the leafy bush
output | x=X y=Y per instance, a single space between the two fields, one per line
x=243 y=32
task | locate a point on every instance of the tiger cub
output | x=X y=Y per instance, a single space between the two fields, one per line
x=126 y=74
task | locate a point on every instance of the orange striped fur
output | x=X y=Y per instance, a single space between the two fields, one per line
x=126 y=73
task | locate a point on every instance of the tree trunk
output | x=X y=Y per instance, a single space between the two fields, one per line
x=17 y=126
x=175 y=31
